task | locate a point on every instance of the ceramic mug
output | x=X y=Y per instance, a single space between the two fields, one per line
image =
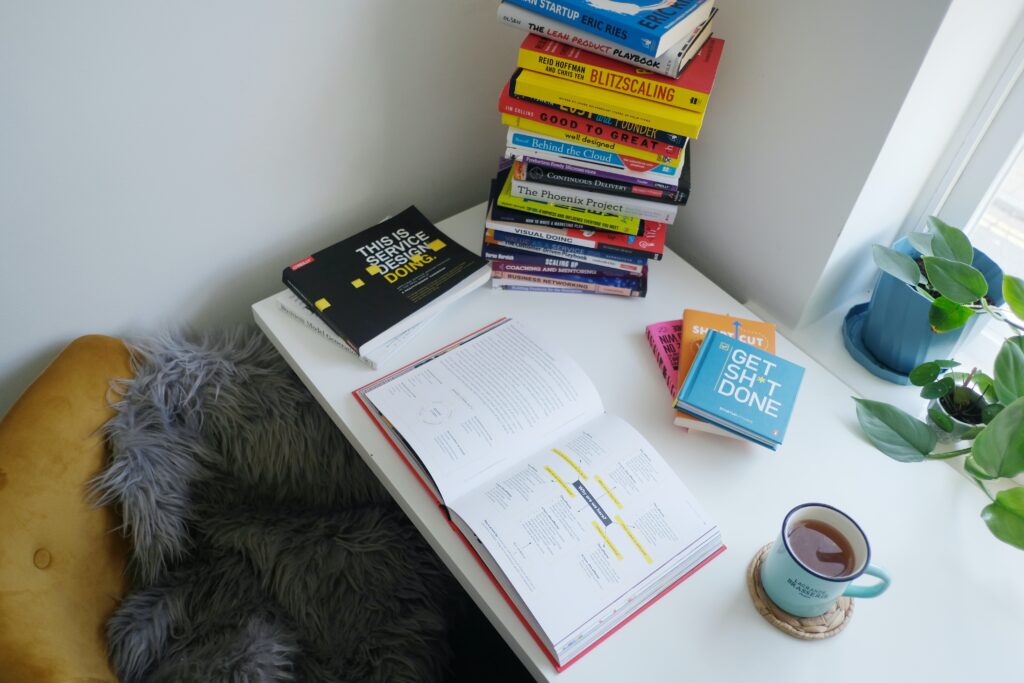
x=804 y=592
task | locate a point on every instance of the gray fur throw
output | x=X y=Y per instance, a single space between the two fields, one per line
x=263 y=549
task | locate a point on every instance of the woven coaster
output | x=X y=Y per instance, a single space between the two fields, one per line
x=804 y=628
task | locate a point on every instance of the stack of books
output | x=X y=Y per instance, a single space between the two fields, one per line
x=600 y=112
x=724 y=376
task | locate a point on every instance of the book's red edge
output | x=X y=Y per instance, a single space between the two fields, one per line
x=465 y=541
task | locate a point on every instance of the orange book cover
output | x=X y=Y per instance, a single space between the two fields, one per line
x=695 y=327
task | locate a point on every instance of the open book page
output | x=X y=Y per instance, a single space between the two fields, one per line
x=580 y=528
x=477 y=408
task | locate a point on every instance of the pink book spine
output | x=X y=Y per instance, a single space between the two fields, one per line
x=664 y=339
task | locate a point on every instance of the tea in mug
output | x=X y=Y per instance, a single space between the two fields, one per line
x=822 y=548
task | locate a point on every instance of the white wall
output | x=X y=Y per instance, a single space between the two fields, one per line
x=947 y=108
x=806 y=95
x=161 y=162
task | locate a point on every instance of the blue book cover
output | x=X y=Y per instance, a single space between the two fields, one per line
x=647 y=26
x=741 y=388
x=572 y=150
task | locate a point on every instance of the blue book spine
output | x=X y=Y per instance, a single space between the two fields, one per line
x=583 y=152
x=566 y=250
x=513 y=260
x=625 y=23
x=742 y=388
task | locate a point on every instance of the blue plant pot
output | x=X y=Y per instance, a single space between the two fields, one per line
x=896 y=331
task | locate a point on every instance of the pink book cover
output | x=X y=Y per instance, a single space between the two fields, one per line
x=664 y=339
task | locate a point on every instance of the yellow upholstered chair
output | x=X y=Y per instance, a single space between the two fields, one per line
x=61 y=561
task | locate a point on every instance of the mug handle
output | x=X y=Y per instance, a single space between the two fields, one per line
x=873 y=590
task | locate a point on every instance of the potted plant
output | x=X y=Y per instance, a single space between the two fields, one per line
x=959 y=401
x=990 y=410
x=930 y=287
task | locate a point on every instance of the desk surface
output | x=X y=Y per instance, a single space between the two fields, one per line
x=955 y=610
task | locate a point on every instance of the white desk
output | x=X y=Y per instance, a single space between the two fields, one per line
x=955 y=611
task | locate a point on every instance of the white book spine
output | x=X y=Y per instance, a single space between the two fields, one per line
x=669 y=63
x=290 y=304
x=594 y=201
x=541 y=233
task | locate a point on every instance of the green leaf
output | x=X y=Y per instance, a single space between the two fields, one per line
x=989 y=412
x=999 y=450
x=1009 y=372
x=1013 y=292
x=941 y=420
x=1005 y=516
x=925 y=373
x=983 y=382
x=950 y=243
x=894 y=432
x=945 y=315
x=960 y=282
x=900 y=266
x=973 y=469
x=922 y=241
x=938 y=389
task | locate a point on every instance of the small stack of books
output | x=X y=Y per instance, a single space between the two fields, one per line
x=724 y=376
x=600 y=113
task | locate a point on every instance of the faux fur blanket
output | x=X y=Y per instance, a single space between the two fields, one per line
x=263 y=549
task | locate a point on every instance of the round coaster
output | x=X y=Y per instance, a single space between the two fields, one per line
x=805 y=628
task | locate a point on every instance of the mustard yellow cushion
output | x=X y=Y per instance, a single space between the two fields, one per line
x=61 y=565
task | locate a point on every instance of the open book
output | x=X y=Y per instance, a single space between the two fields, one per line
x=576 y=516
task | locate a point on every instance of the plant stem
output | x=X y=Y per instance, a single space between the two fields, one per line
x=998 y=315
x=983 y=488
x=946 y=455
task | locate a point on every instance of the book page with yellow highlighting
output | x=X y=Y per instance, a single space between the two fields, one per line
x=579 y=525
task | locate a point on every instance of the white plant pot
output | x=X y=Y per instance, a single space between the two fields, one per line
x=959 y=427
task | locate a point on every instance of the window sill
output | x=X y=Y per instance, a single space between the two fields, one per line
x=823 y=341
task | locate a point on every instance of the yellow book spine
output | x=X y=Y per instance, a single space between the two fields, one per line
x=627 y=225
x=615 y=105
x=634 y=85
x=580 y=138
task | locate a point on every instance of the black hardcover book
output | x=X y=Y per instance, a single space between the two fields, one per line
x=380 y=282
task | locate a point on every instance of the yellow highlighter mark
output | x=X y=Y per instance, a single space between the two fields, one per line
x=608 y=491
x=554 y=475
x=636 y=542
x=570 y=463
x=608 y=541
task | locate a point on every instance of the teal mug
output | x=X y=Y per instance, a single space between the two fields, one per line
x=818 y=555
